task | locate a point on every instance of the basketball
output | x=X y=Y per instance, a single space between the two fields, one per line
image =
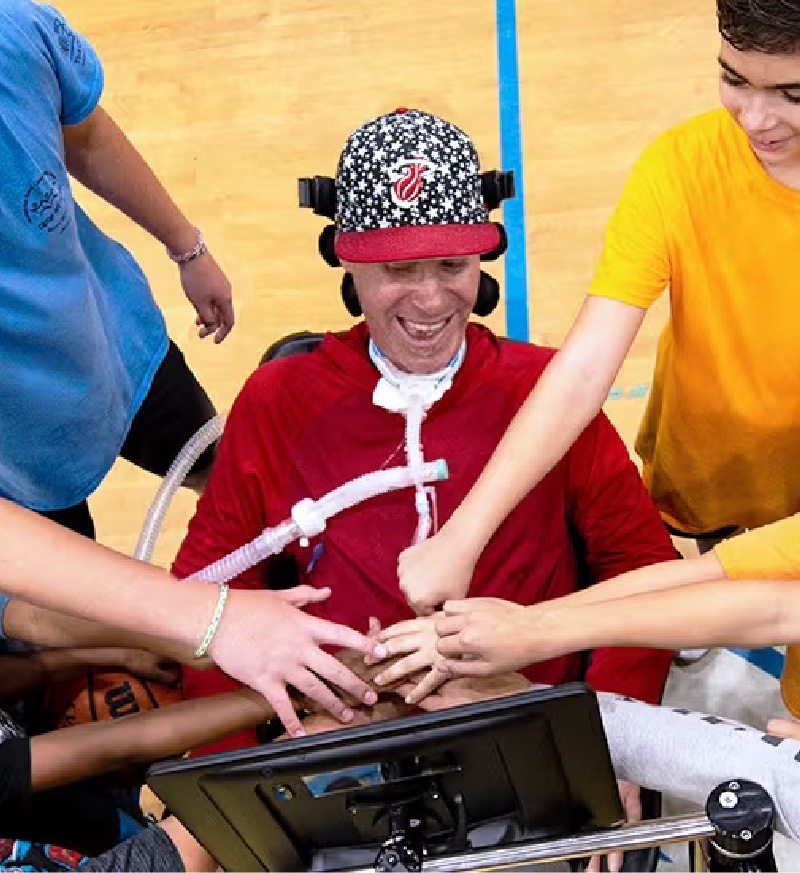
x=99 y=695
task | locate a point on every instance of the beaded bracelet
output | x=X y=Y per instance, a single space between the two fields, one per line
x=200 y=248
x=214 y=623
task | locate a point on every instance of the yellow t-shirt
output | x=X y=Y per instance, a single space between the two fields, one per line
x=771 y=552
x=720 y=439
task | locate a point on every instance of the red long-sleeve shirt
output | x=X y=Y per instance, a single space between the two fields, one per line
x=305 y=425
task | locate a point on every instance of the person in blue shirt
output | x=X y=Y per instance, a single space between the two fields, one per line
x=89 y=372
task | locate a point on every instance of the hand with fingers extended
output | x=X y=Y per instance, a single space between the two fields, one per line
x=412 y=644
x=209 y=291
x=435 y=570
x=367 y=669
x=266 y=641
x=485 y=635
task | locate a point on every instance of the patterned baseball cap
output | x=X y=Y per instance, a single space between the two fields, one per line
x=408 y=187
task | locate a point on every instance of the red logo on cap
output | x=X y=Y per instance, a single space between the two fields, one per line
x=408 y=176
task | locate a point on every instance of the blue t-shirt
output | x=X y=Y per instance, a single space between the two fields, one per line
x=80 y=334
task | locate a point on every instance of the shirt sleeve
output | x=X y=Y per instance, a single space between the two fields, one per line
x=618 y=529
x=75 y=63
x=769 y=552
x=634 y=267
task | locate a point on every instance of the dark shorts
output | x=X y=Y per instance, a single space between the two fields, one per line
x=175 y=408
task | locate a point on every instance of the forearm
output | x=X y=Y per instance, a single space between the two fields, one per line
x=655 y=577
x=26 y=672
x=568 y=395
x=101 y=157
x=21 y=673
x=47 y=627
x=52 y=567
x=749 y=614
x=85 y=750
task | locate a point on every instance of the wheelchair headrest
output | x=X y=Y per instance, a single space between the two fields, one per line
x=292 y=344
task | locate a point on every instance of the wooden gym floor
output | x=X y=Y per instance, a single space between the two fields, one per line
x=231 y=102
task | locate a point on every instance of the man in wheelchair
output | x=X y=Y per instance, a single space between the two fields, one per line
x=413 y=381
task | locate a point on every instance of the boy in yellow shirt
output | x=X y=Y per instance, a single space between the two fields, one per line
x=712 y=212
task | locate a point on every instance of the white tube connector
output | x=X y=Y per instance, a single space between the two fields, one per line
x=309 y=512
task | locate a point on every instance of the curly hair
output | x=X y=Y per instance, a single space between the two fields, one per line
x=768 y=26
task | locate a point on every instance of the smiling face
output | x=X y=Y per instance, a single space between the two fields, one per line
x=417 y=311
x=762 y=93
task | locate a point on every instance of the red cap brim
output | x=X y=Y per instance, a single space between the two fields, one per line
x=417 y=243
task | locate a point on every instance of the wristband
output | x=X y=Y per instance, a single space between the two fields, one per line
x=200 y=248
x=201 y=650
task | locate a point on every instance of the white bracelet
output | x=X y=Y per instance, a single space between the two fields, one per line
x=200 y=248
x=201 y=650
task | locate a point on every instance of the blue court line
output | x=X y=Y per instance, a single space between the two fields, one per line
x=517 y=318
x=768 y=660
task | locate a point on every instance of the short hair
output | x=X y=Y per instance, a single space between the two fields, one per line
x=767 y=26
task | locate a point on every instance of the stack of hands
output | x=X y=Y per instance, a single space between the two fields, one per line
x=410 y=678
x=457 y=651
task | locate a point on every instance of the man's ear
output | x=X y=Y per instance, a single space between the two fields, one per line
x=350 y=296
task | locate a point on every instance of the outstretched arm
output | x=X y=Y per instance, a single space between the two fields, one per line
x=569 y=394
x=100 y=156
x=655 y=577
x=263 y=640
x=56 y=630
x=73 y=753
x=21 y=673
x=724 y=613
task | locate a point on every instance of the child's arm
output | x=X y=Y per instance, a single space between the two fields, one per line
x=54 y=567
x=20 y=673
x=73 y=753
x=47 y=627
x=655 y=577
x=481 y=636
x=570 y=392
